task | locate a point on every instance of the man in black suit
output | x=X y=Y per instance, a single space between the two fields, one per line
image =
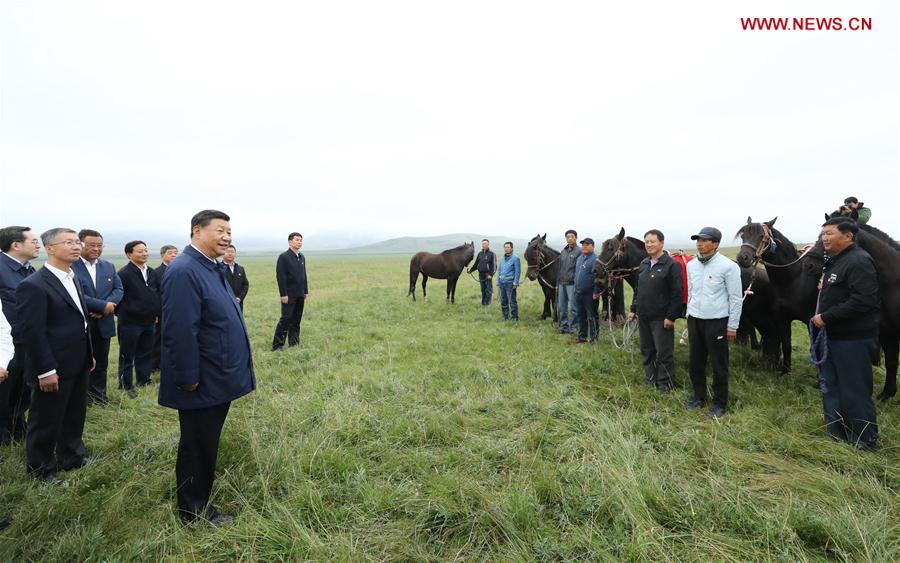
x=236 y=275
x=138 y=312
x=290 y=271
x=19 y=245
x=53 y=333
x=167 y=253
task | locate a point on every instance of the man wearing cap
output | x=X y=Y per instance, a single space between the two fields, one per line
x=863 y=213
x=714 y=312
x=586 y=294
x=848 y=312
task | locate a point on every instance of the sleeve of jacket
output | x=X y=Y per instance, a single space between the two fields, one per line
x=181 y=317
x=305 y=279
x=118 y=291
x=735 y=295
x=517 y=270
x=493 y=264
x=245 y=288
x=31 y=311
x=7 y=350
x=863 y=215
x=281 y=275
x=864 y=296
x=676 y=286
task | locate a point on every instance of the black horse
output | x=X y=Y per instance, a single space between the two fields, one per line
x=794 y=288
x=619 y=259
x=543 y=266
x=448 y=265
x=885 y=251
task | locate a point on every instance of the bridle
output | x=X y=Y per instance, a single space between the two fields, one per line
x=616 y=274
x=537 y=268
x=763 y=246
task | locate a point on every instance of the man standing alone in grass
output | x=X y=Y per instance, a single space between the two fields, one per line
x=508 y=282
x=206 y=360
x=290 y=271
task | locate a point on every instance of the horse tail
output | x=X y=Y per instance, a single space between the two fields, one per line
x=414 y=268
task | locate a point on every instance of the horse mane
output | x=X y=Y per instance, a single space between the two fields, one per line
x=880 y=235
x=457 y=249
x=637 y=242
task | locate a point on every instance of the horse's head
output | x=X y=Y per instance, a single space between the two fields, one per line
x=533 y=253
x=757 y=241
x=612 y=251
x=469 y=251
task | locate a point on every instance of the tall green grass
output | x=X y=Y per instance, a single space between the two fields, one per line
x=426 y=431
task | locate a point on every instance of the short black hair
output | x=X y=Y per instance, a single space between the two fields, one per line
x=165 y=248
x=232 y=246
x=572 y=232
x=843 y=224
x=11 y=234
x=509 y=243
x=292 y=235
x=84 y=233
x=661 y=237
x=205 y=217
x=850 y=199
x=485 y=240
x=129 y=247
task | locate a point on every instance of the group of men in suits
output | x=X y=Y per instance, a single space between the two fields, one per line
x=58 y=321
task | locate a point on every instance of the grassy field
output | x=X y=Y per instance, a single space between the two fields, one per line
x=425 y=431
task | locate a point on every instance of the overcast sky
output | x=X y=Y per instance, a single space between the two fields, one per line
x=379 y=119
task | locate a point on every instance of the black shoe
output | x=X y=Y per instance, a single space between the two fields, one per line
x=695 y=403
x=277 y=348
x=74 y=465
x=665 y=388
x=216 y=519
x=4 y=523
x=132 y=394
x=50 y=479
x=717 y=412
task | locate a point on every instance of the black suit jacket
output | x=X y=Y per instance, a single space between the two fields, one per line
x=160 y=270
x=290 y=271
x=141 y=304
x=51 y=329
x=238 y=280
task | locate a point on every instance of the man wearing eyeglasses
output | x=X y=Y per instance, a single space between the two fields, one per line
x=53 y=333
x=19 y=245
x=102 y=293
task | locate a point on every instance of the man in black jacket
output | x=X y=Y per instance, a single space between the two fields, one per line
x=236 y=275
x=486 y=264
x=138 y=312
x=290 y=271
x=565 y=283
x=657 y=303
x=53 y=333
x=848 y=311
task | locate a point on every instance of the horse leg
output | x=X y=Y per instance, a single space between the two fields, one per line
x=424 y=281
x=451 y=289
x=413 y=278
x=554 y=306
x=546 y=312
x=890 y=343
x=784 y=335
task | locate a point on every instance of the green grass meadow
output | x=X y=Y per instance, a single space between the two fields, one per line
x=432 y=432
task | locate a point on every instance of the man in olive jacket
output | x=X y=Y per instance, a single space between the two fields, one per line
x=657 y=303
x=848 y=311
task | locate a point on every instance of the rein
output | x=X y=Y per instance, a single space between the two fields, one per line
x=539 y=268
x=760 y=249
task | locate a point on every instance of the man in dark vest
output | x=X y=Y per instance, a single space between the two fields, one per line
x=486 y=264
x=290 y=271
x=848 y=311
x=236 y=276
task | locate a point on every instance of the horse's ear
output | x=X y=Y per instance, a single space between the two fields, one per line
x=544 y=238
x=772 y=222
x=749 y=220
x=827 y=216
x=621 y=234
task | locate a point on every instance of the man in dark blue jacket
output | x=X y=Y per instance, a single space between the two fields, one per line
x=53 y=333
x=290 y=272
x=586 y=294
x=137 y=314
x=102 y=290
x=19 y=245
x=206 y=360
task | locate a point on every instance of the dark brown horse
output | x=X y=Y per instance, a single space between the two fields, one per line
x=448 y=265
x=543 y=266
x=618 y=260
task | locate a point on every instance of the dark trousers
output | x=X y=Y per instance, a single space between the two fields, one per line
x=658 y=350
x=97 y=383
x=56 y=425
x=587 y=316
x=509 y=305
x=15 y=396
x=708 y=341
x=487 y=291
x=198 y=448
x=289 y=323
x=847 y=399
x=135 y=354
x=157 y=345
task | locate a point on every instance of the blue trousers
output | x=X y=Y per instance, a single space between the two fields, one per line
x=568 y=320
x=588 y=316
x=508 y=304
x=847 y=400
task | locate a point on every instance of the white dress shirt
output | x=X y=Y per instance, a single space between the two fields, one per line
x=92 y=270
x=6 y=343
x=143 y=270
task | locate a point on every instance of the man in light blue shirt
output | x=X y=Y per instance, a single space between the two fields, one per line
x=507 y=281
x=714 y=312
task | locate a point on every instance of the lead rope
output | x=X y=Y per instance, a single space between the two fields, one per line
x=818 y=347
